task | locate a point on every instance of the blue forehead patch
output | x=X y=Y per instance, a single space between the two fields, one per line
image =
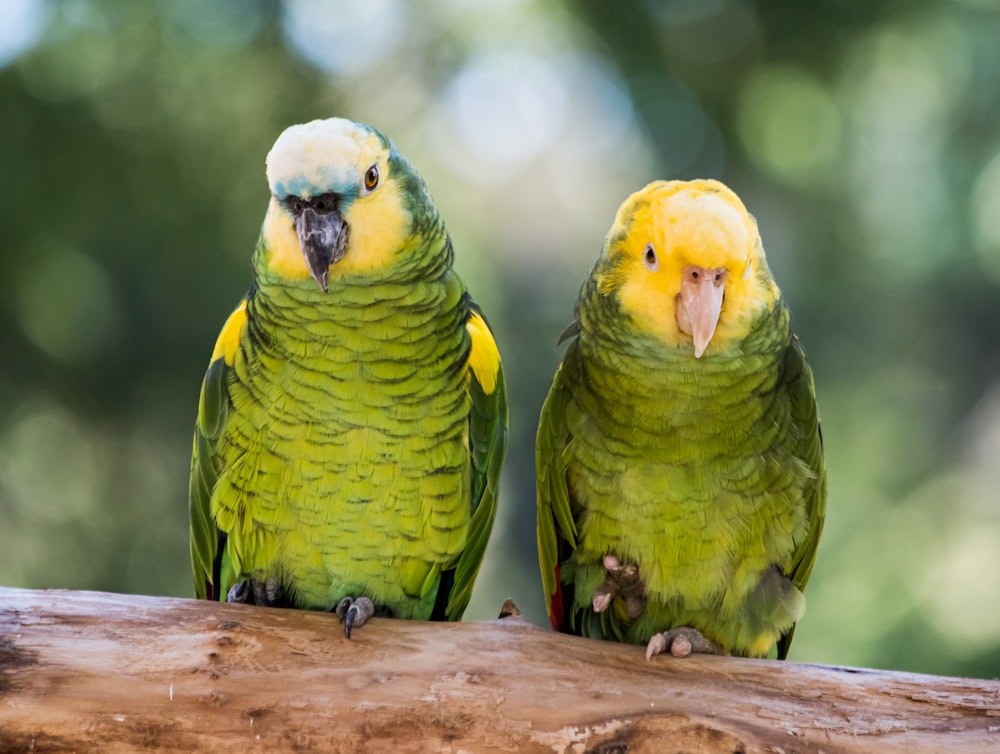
x=321 y=182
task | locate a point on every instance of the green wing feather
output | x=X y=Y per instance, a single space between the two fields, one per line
x=801 y=391
x=213 y=410
x=487 y=448
x=557 y=532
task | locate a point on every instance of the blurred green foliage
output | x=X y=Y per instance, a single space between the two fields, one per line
x=863 y=136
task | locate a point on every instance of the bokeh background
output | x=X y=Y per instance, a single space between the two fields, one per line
x=865 y=137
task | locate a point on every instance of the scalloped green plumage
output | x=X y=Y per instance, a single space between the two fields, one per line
x=704 y=470
x=345 y=444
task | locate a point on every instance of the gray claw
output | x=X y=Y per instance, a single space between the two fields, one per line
x=253 y=591
x=354 y=613
x=269 y=592
x=240 y=593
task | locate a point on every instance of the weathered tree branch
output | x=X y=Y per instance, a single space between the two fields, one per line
x=84 y=671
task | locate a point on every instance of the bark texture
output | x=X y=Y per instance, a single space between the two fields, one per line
x=85 y=671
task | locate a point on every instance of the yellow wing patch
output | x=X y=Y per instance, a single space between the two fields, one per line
x=229 y=339
x=484 y=356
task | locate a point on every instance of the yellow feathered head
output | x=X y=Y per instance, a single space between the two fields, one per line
x=685 y=261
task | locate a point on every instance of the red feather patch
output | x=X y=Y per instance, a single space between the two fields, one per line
x=557 y=616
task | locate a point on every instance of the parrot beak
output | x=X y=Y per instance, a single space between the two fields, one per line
x=699 y=304
x=323 y=238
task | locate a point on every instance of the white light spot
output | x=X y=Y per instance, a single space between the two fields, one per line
x=22 y=23
x=503 y=109
x=343 y=36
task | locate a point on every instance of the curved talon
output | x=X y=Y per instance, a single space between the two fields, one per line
x=239 y=593
x=254 y=591
x=342 y=607
x=354 y=613
x=656 y=646
x=681 y=642
x=602 y=599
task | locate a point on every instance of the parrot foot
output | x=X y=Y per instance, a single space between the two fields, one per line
x=268 y=593
x=240 y=593
x=354 y=613
x=622 y=581
x=681 y=642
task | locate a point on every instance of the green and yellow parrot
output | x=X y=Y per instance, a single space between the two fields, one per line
x=681 y=486
x=353 y=419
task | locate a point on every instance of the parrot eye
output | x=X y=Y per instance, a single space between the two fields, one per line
x=649 y=258
x=371 y=178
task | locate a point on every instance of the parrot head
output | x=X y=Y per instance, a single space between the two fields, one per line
x=685 y=261
x=341 y=201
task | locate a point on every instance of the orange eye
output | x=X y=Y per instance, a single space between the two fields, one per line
x=371 y=178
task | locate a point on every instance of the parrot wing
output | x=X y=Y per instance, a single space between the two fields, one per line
x=557 y=530
x=487 y=448
x=207 y=542
x=801 y=391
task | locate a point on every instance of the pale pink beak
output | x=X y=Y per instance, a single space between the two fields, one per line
x=699 y=304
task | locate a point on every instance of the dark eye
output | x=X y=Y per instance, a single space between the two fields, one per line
x=371 y=178
x=649 y=258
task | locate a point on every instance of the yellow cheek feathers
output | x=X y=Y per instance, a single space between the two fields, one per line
x=379 y=227
x=378 y=223
x=285 y=256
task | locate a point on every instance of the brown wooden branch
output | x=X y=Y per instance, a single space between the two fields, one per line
x=84 y=671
